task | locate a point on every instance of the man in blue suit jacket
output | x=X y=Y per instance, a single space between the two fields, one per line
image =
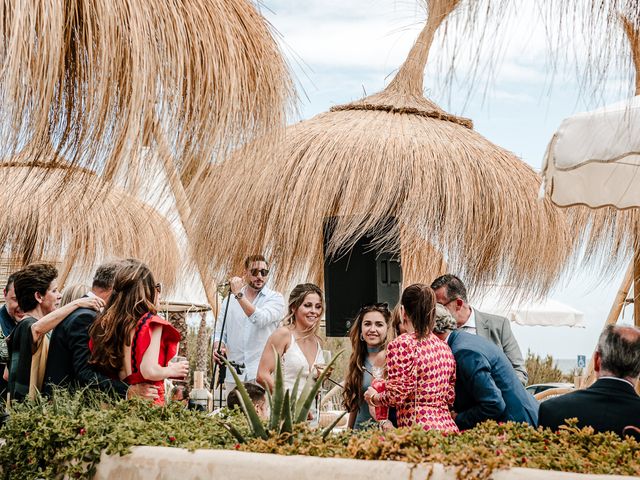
x=487 y=387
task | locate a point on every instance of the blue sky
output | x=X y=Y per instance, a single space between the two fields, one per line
x=340 y=49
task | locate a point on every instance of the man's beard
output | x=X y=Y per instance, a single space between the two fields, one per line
x=257 y=289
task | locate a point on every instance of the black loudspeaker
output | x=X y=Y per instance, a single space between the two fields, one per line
x=361 y=276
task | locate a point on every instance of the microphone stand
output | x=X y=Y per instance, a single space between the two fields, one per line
x=217 y=363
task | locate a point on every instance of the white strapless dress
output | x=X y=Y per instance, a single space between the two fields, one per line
x=294 y=362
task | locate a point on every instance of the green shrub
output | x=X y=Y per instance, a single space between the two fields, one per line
x=66 y=437
x=543 y=370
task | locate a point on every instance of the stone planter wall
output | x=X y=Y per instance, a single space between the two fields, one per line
x=162 y=463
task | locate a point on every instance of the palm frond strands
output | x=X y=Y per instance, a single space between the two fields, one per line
x=391 y=154
x=90 y=74
x=91 y=222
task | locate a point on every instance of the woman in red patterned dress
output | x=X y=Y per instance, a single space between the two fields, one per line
x=129 y=340
x=421 y=369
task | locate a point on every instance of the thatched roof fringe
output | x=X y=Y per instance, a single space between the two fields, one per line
x=88 y=73
x=634 y=42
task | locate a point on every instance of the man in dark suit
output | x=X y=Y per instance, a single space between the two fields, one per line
x=451 y=293
x=611 y=404
x=487 y=387
x=68 y=360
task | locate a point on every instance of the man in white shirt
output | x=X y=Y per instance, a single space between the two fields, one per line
x=451 y=293
x=254 y=313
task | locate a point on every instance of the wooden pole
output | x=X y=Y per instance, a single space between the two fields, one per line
x=636 y=287
x=184 y=212
x=614 y=313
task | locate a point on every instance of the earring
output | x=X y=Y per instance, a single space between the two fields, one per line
x=361 y=337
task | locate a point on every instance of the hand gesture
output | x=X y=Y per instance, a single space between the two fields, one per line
x=94 y=303
x=369 y=394
x=236 y=284
x=223 y=353
x=142 y=390
x=178 y=370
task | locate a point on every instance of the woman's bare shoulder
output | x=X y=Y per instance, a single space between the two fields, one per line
x=280 y=335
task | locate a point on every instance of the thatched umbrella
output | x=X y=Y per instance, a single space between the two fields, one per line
x=91 y=74
x=90 y=222
x=392 y=154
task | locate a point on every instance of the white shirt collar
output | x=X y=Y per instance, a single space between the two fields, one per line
x=471 y=321
x=619 y=379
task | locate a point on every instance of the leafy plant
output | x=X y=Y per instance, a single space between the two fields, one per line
x=542 y=370
x=288 y=409
x=66 y=435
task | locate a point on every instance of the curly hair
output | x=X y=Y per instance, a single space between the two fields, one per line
x=352 y=395
x=134 y=294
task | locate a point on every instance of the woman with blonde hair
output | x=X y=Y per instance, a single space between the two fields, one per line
x=129 y=341
x=368 y=335
x=73 y=292
x=296 y=341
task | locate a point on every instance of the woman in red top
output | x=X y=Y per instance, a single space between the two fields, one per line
x=421 y=369
x=129 y=340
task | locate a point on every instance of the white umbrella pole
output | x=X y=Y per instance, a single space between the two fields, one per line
x=636 y=287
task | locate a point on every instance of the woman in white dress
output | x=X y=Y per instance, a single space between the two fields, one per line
x=296 y=341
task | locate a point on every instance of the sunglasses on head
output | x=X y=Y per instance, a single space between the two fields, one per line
x=262 y=271
x=374 y=306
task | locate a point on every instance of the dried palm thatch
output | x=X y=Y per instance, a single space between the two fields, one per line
x=78 y=230
x=91 y=74
x=392 y=154
x=586 y=33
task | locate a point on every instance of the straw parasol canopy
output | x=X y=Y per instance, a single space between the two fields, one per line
x=89 y=223
x=456 y=197
x=92 y=75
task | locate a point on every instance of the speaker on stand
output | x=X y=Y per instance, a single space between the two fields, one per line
x=361 y=276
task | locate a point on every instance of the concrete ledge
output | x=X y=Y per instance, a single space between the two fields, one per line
x=164 y=463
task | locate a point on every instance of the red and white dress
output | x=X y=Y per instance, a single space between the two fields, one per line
x=421 y=382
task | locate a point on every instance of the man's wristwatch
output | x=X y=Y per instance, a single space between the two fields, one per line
x=239 y=295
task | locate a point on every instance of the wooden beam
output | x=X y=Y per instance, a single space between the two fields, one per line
x=636 y=287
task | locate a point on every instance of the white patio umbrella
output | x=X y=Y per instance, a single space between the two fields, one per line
x=547 y=312
x=594 y=158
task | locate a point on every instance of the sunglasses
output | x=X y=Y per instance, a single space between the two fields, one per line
x=262 y=271
x=374 y=306
x=159 y=287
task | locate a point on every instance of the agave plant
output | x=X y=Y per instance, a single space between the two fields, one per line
x=288 y=409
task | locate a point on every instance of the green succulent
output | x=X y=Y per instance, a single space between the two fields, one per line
x=287 y=408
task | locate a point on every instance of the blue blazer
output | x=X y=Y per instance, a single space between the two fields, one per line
x=487 y=386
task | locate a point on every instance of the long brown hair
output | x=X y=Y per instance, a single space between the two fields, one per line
x=296 y=298
x=352 y=394
x=419 y=302
x=134 y=293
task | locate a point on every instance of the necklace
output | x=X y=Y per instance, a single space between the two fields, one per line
x=375 y=349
